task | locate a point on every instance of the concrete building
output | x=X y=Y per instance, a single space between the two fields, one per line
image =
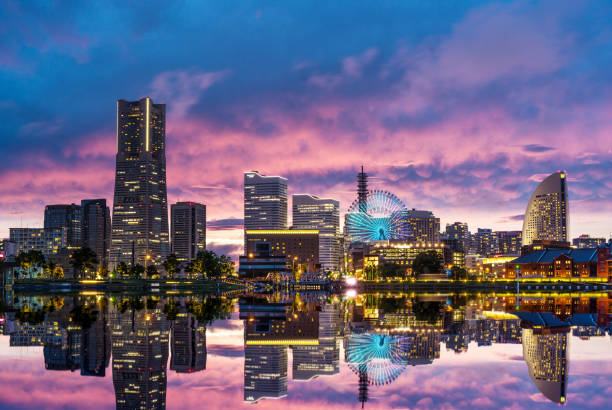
x=265 y=201
x=140 y=206
x=585 y=241
x=300 y=247
x=96 y=227
x=48 y=241
x=458 y=232
x=65 y=216
x=188 y=230
x=188 y=344
x=311 y=212
x=424 y=226
x=547 y=213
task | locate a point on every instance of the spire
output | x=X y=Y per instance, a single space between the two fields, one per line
x=362 y=190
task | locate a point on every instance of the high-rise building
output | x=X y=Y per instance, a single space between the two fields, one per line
x=96 y=227
x=485 y=242
x=140 y=356
x=459 y=234
x=509 y=242
x=545 y=353
x=424 y=226
x=65 y=216
x=140 y=207
x=188 y=229
x=48 y=241
x=311 y=212
x=96 y=346
x=188 y=344
x=265 y=372
x=265 y=201
x=585 y=241
x=547 y=214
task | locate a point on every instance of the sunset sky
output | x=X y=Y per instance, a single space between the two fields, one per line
x=459 y=109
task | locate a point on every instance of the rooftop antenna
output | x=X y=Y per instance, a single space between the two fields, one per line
x=362 y=190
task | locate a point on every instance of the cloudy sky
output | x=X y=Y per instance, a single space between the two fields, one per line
x=457 y=107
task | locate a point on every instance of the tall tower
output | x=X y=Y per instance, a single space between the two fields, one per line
x=188 y=229
x=96 y=227
x=65 y=216
x=265 y=201
x=311 y=212
x=362 y=190
x=547 y=214
x=140 y=208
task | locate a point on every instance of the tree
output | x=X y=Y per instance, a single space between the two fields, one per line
x=171 y=265
x=226 y=266
x=122 y=269
x=391 y=270
x=136 y=271
x=58 y=273
x=30 y=260
x=458 y=273
x=83 y=259
x=206 y=263
x=427 y=262
x=151 y=272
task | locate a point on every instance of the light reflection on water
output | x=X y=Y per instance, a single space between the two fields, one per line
x=306 y=350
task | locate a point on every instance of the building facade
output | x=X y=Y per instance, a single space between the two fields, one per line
x=265 y=201
x=96 y=227
x=48 y=241
x=300 y=247
x=586 y=263
x=459 y=232
x=65 y=216
x=400 y=253
x=547 y=213
x=424 y=226
x=188 y=230
x=585 y=241
x=140 y=207
x=311 y=212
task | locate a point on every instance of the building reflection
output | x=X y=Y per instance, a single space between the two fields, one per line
x=140 y=356
x=383 y=337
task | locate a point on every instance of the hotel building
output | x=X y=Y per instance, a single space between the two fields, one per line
x=265 y=201
x=188 y=230
x=547 y=213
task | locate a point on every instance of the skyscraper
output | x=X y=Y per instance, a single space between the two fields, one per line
x=547 y=214
x=96 y=227
x=265 y=201
x=424 y=226
x=311 y=212
x=188 y=344
x=458 y=232
x=65 y=216
x=188 y=229
x=140 y=208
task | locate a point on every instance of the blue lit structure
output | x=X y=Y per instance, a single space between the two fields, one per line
x=377 y=358
x=381 y=217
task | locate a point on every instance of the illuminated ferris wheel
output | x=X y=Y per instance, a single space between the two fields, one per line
x=378 y=358
x=381 y=216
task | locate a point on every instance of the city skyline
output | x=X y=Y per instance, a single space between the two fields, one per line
x=408 y=101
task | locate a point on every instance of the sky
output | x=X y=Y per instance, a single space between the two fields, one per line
x=483 y=377
x=456 y=107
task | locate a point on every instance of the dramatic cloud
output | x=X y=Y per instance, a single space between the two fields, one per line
x=462 y=114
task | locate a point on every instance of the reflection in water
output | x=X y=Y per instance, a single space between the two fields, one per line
x=382 y=337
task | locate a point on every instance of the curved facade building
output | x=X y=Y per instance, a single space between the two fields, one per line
x=547 y=214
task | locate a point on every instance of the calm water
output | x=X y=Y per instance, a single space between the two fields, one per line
x=306 y=351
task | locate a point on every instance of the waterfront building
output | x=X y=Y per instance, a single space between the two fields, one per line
x=458 y=232
x=188 y=344
x=423 y=225
x=509 y=242
x=96 y=228
x=188 y=230
x=401 y=253
x=265 y=372
x=140 y=356
x=300 y=247
x=265 y=201
x=140 y=206
x=311 y=212
x=485 y=242
x=96 y=346
x=48 y=241
x=68 y=217
x=547 y=213
x=545 y=353
x=585 y=241
x=260 y=263
x=8 y=249
x=585 y=263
